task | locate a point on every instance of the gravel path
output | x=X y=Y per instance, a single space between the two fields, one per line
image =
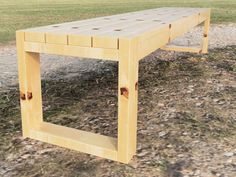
x=220 y=36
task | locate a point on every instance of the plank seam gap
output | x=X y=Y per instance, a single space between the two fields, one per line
x=24 y=36
x=44 y=36
x=118 y=43
x=91 y=41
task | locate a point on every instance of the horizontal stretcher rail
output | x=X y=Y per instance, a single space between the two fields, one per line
x=99 y=145
x=182 y=49
x=68 y=50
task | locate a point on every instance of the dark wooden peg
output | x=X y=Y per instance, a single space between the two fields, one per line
x=125 y=92
x=136 y=86
x=29 y=95
x=22 y=96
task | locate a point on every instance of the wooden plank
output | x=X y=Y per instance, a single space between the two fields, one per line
x=54 y=38
x=137 y=29
x=30 y=86
x=80 y=40
x=205 y=33
x=51 y=33
x=57 y=33
x=105 y=42
x=151 y=41
x=203 y=15
x=107 y=38
x=84 y=52
x=182 y=49
x=127 y=101
x=81 y=33
x=100 y=36
x=181 y=26
x=167 y=20
x=32 y=36
x=62 y=35
x=22 y=81
x=110 y=38
x=38 y=34
x=33 y=93
x=99 y=145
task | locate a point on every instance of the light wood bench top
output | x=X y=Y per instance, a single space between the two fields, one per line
x=105 y=32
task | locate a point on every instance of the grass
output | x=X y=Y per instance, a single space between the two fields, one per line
x=21 y=14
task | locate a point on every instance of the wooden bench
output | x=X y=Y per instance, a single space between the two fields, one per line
x=125 y=38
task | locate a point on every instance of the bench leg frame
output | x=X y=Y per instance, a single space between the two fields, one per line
x=119 y=149
x=202 y=49
x=127 y=99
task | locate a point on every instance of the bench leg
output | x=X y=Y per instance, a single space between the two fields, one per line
x=205 y=35
x=204 y=45
x=30 y=87
x=127 y=100
x=31 y=107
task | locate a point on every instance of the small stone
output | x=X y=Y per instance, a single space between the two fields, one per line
x=209 y=81
x=171 y=110
x=160 y=105
x=190 y=90
x=203 y=59
x=185 y=133
x=45 y=151
x=198 y=104
x=197 y=172
x=143 y=153
x=196 y=141
x=215 y=100
x=221 y=102
x=180 y=155
x=162 y=134
x=134 y=164
x=229 y=161
x=190 y=86
x=25 y=156
x=228 y=154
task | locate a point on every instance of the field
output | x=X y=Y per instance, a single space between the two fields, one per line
x=29 y=13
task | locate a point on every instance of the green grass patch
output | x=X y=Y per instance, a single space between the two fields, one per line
x=23 y=14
